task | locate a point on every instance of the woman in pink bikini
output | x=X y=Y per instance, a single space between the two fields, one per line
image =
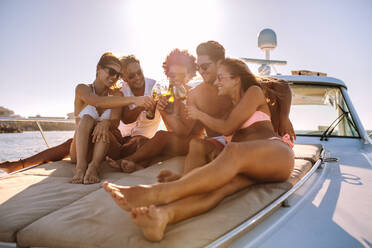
x=254 y=155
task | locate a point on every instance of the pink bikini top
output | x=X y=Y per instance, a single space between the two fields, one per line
x=256 y=117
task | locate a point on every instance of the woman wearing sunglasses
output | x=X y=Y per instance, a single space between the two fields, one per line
x=254 y=155
x=92 y=141
x=179 y=67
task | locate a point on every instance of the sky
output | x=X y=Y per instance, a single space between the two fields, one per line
x=47 y=47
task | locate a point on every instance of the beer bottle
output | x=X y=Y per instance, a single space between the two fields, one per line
x=170 y=96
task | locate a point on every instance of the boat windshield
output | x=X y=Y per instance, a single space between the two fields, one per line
x=321 y=111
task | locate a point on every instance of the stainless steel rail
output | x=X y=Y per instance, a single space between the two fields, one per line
x=42 y=134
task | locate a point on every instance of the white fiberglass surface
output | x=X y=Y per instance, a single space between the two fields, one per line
x=317 y=108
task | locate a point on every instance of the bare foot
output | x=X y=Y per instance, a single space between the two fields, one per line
x=78 y=176
x=117 y=196
x=128 y=166
x=152 y=220
x=91 y=176
x=113 y=163
x=167 y=176
x=130 y=197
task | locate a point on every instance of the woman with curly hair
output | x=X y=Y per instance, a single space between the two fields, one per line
x=254 y=154
x=179 y=67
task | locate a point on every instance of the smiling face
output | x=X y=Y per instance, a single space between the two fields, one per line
x=108 y=74
x=178 y=75
x=207 y=69
x=225 y=82
x=133 y=75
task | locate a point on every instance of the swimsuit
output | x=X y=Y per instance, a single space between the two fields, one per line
x=92 y=112
x=218 y=141
x=286 y=139
x=256 y=117
x=261 y=116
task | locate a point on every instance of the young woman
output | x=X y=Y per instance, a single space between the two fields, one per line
x=254 y=155
x=179 y=67
x=92 y=140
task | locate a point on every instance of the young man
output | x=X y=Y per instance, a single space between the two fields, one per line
x=135 y=127
x=205 y=97
x=179 y=67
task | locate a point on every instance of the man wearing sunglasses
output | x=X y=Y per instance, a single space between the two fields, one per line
x=134 y=126
x=205 y=97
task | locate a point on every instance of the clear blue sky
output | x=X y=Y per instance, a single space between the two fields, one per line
x=47 y=47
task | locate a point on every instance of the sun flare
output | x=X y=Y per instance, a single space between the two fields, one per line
x=160 y=26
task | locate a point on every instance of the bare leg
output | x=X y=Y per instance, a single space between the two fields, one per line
x=168 y=176
x=92 y=172
x=73 y=149
x=200 y=153
x=154 y=219
x=99 y=152
x=132 y=144
x=83 y=132
x=126 y=166
x=52 y=154
x=163 y=143
x=260 y=160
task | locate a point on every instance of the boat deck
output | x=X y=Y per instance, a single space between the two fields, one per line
x=39 y=207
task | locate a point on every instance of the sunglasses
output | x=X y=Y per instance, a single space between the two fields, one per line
x=177 y=75
x=134 y=74
x=203 y=67
x=112 y=72
x=221 y=77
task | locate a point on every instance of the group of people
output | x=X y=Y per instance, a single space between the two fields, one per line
x=234 y=130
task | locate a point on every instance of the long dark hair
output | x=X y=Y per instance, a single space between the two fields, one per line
x=238 y=68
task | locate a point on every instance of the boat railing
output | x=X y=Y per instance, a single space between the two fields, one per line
x=282 y=201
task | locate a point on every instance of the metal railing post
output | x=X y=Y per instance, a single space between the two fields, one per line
x=42 y=134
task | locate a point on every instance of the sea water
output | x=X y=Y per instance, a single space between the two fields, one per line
x=14 y=146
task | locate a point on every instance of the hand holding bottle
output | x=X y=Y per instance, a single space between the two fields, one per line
x=156 y=93
x=162 y=103
x=144 y=101
x=166 y=99
x=160 y=88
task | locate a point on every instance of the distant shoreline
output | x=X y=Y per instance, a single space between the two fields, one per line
x=19 y=127
x=24 y=126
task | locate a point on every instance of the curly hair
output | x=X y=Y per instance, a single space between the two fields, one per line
x=211 y=48
x=180 y=57
x=126 y=60
x=238 y=68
